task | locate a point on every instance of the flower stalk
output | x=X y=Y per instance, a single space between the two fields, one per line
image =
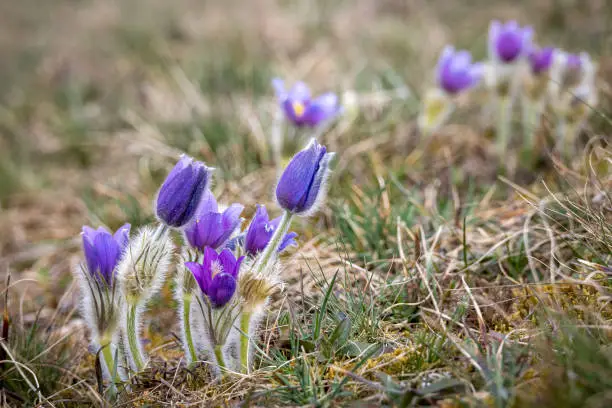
x=186 y=326
x=134 y=346
x=245 y=340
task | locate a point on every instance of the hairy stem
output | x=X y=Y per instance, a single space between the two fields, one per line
x=532 y=111
x=503 y=124
x=191 y=353
x=134 y=348
x=245 y=341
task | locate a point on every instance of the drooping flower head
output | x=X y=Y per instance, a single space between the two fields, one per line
x=302 y=184
x=541 y=59
x=103 y=250
x=260 y=232
x=301 y=109
x=509 y=42
x=210 y=227
x=456 y=72
x=179 y=196
x=217 y=275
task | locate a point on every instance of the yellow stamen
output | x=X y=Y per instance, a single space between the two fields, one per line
x=298 y=108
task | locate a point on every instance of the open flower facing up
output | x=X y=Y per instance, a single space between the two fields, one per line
x=455 y=73
x=209 y=227
x=103 y=250
x=302 y=185
x=217 y=275
x=260 y=232
x=301 y=109
x=180 y=195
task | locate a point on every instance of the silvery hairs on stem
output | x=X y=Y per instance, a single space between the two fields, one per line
x=141 y=274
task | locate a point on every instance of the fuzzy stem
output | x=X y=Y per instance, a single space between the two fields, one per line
x=191 y=353
x=245 y=341
x=503 y=124
x=532 y=111
x=134 y=347
x=220 y=359
x=272 y=248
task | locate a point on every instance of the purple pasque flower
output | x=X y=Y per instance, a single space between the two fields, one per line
x=180 y=195
x=456 y=72
x=260 y=232
x=302 y=184
x=103 y=250
x=509 y=42
x=209 y=227
x=541 y=59
x=303 y=110
x=217 y=275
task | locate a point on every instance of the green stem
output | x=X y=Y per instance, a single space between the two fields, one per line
x=220 y=359
x=109 y=360
x=245 y=321
x=135 y=349
x=503 y=124
x=187 y=329
x=531 y=119
x=272 y=248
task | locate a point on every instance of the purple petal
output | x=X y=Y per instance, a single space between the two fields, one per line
x=288 y=240
x=228 y=262
x=122 y=236
x=256 y=237
x=299 y=92
x=295 y=191
x=107 y=255
x=222 y=289
x=201 y=276
x=445 y=56
x=180 y=194
x=279 y=88
x=321 y=109
x=210 y=256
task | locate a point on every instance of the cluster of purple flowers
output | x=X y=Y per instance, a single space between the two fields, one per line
x=217 y=256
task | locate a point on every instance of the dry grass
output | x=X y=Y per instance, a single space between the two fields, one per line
x=461 y=286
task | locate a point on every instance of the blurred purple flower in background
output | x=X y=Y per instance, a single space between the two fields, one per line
x=541 y=59
x=456 y=72
x=302 y=184
x=103 y=250
x=210 y=227
x=217 y=275
x=180 y=195
x=260 y=232
x=509 y=42
x=303 y=110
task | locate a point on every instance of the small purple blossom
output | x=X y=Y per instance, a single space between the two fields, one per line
x=456 y=72
x=302 y=184
x=303 y=110
x=509 y=42
x=260 y=232
x=541 y=59
x=217 y=275
x=209 y=227
x=103 y=250
x=179 y=196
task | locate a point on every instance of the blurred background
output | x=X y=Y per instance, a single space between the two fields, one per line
x=99 y=97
